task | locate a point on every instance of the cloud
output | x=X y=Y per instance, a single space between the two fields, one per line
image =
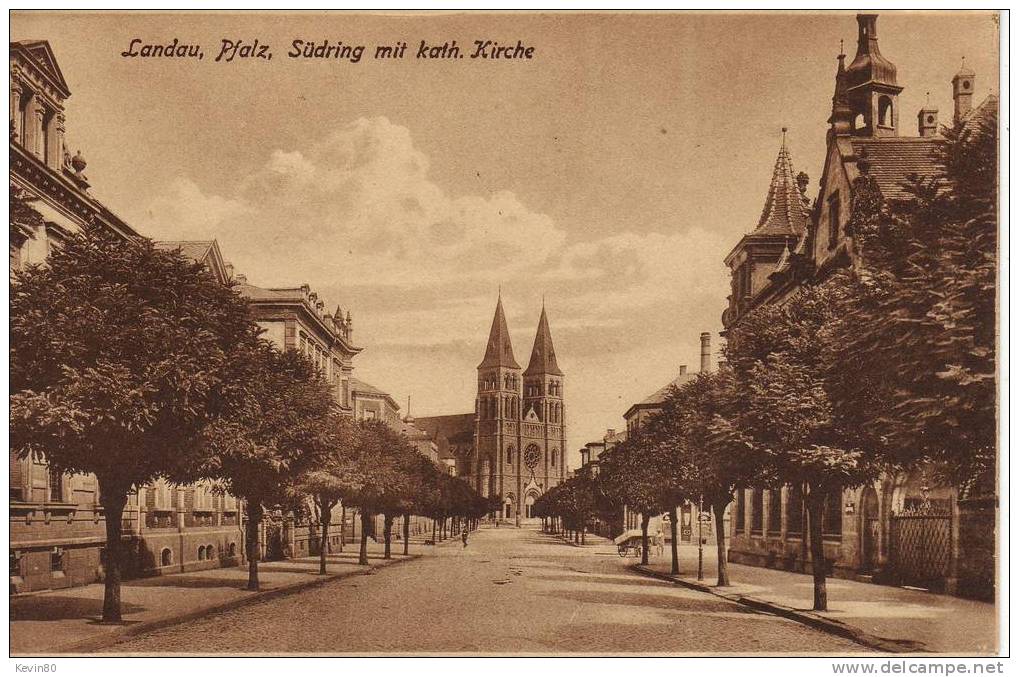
x=356 y=215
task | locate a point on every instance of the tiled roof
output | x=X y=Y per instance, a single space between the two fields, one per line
x=892 y=160
x=784 y=210
x=195 y=250
x=359 y=386
x=447 y=430
x=659 y=395
x=254 y=293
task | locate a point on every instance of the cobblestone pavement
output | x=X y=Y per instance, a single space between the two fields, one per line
x=510 y=591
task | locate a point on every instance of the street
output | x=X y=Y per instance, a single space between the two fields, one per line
x=510 y=591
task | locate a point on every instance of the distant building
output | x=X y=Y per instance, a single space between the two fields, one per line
x=514 y=444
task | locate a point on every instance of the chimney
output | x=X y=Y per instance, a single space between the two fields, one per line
x=241 y=278
x=705 y=352
x=682 y=369
x=610 y=432
x=229 y=271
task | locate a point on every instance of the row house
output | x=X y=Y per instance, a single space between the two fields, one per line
x=57 y=526
x=901 y=528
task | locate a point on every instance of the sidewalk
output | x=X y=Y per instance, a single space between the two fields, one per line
x=880 y=616
x=67 y=621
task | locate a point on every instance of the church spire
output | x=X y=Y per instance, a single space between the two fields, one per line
x=543 y=360
x=499 y=352
x=783 y=208
x=841 y=119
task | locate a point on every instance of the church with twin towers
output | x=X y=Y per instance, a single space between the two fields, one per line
x=513 y=444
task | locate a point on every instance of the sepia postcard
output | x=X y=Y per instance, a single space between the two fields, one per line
x=536 y=333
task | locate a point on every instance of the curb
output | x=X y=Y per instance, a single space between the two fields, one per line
x=808 y=618
x=115 y=637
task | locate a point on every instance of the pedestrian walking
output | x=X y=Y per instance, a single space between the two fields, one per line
x=464 y=537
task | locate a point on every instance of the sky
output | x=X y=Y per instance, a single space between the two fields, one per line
x=609 y=175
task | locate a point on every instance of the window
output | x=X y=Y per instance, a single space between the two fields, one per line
x=884 y=112
x=831 y=522
x=166 y=557
x=55 y=483
x=775 y=511
x=741 y=513
x=210 y=552
x=509 y=456
x=17 y=493
x=231 y=549
x=794 y=511
x=555 y=455
x=15 y=563
x=201 y=553
x=57 y=559
x=834 y=214
x=756 y=511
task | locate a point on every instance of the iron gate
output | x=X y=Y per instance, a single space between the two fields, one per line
x=921 y=545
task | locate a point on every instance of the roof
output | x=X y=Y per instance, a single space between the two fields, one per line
x=499 y=352
x=543 y=359
x=987 y=109
x=892 y=160
x=655 y=399
x=41 y=55
x=455 y=429
x=785 y=209
x=360 y=387
x=197 y=249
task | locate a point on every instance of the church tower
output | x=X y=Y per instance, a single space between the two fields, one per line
x=543 y=436
x=871 y=86
x=497 y=409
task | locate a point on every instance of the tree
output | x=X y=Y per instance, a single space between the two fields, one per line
x=781 y=361
x=923 y=325
x=708 y=461
x=331 y=477
x=121 y=354
x=284 y=428
x=631 y=474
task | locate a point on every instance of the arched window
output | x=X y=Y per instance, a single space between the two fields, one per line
x=858 y=122
x=201 y=553
x=210 y=552
x=166 y=557
x=231 y=549
x=509 y=456
x=555 y=456
x=884 y=111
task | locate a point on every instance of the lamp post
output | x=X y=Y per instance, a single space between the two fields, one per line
x=700 y=537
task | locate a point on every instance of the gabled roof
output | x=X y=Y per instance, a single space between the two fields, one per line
x=785 y=212
x=655 y=399
x=203 y=251
x=359 y=387
x=446 y=431
x=891 y=160
x=543 y=360
x=499 y=352
x=41 y=55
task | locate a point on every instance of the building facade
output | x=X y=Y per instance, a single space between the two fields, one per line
x=514 y=444
x=57 y=525
x=900 y=528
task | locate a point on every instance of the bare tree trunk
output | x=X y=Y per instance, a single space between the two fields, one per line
x=406 y=534
x=326 y=516
x=674 y=534
x=253 y=509
x=387 y=528
x=113 y=498
x=433 y=531
x=365 y=526
x=723 y=555
x=343 y=525
x=815 y=509
x=583 y=534
x=645 y=520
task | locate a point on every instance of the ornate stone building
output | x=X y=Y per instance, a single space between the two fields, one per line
x=873 y=532
x=57 y=527
x=513 y=445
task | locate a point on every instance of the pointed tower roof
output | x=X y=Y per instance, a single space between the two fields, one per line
x=499 y=352
x=543 y=354
x=784 y=212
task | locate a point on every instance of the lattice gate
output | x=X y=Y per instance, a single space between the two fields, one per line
x=921 y=545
